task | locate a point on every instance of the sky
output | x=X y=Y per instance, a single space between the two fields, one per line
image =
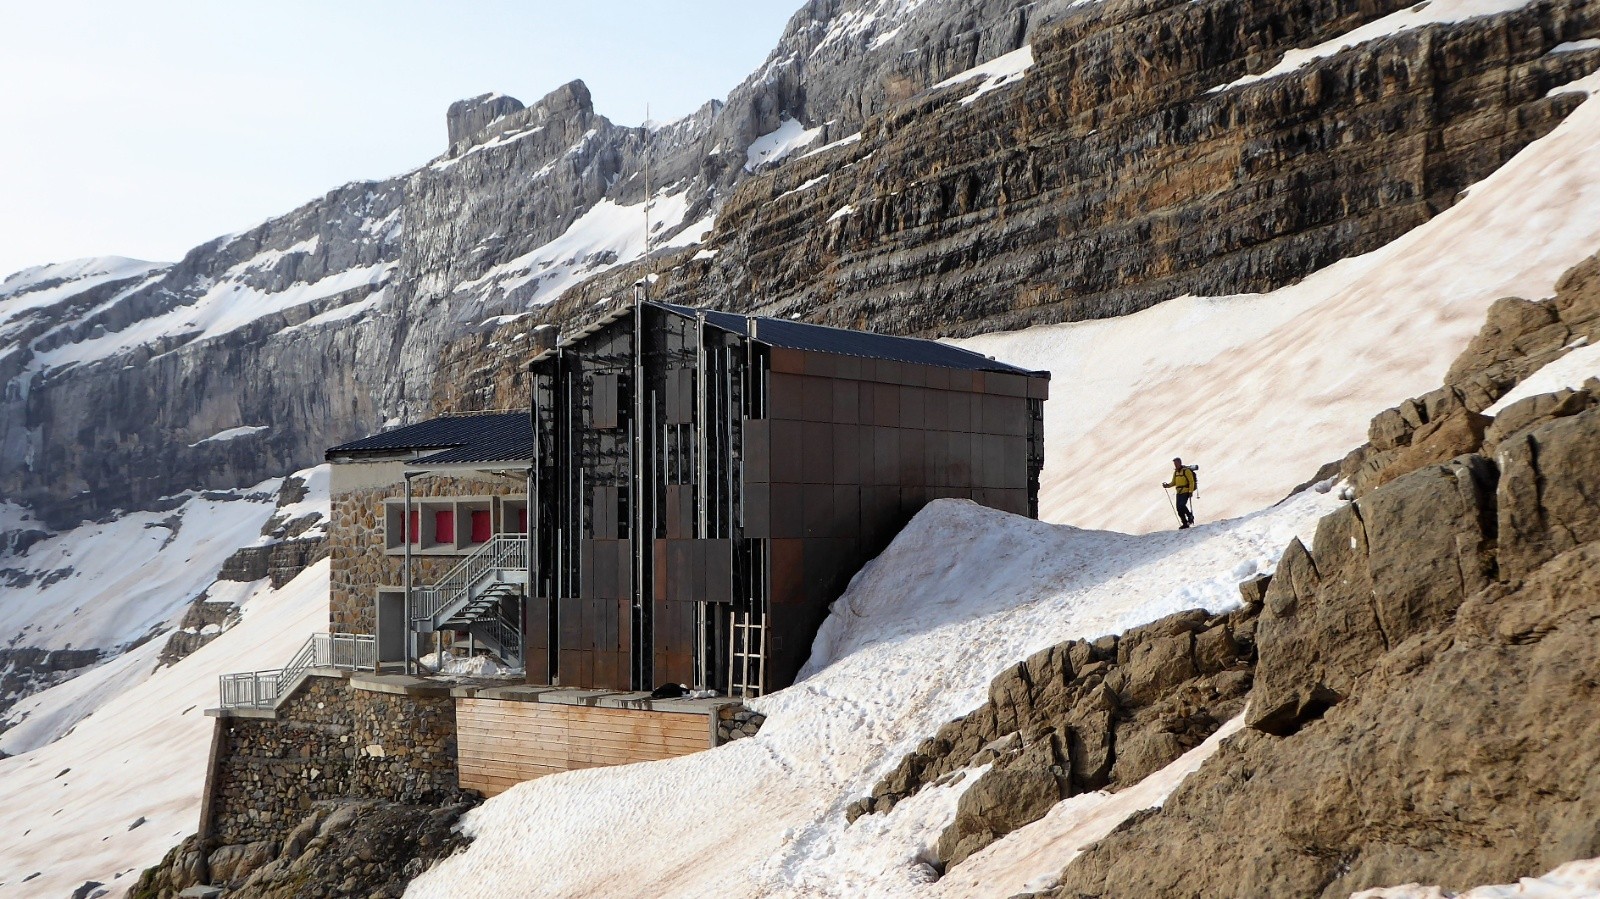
x=145 y=129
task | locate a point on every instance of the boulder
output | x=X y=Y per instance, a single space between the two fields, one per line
x=1547 y=497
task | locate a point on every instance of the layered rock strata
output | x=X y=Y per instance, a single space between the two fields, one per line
x=1079 y=717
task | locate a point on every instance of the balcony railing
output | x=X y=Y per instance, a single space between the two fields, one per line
x=263 y=689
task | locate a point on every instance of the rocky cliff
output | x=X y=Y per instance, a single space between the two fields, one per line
x=912 y=167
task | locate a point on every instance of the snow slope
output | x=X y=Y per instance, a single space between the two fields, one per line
x=961 y=593
x=72 y=807
x=104 y=585
x=1261 y=389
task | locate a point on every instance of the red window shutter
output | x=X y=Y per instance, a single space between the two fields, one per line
x=415 y=529
x=444 y=526
x=482 y=527
x=522 y=520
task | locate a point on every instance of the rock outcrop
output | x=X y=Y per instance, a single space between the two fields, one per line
x=1078 y=717
x=1423 y=692
x=356 y=849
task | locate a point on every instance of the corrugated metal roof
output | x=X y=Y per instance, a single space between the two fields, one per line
x=795 y=335
x=484 y=437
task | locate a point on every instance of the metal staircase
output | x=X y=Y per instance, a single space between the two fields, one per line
x=480 y=596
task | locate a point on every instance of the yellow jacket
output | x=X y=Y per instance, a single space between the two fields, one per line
x=1184 y=480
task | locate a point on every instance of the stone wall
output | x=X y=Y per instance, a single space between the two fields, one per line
x=360 y=562
x=735 y=722
x=331 y=741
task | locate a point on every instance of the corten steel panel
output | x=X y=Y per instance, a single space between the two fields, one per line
x=671 y=407
x=680 y=585
x=936 y=410
x=816 y=399
x=697 y=571
x=911 y=457
x=787 y=574
x=963 y=459
x=605 y=570
x=938 y=377
x=1005 y=384
x=886 y=456
x=757 y=510
x=885 y=405
x=866 y=401
x=719 y=571
x=818 y=503
x=786 y=397
x=787 y=361
x=824 y=365
x=757 y=452
x=846 y=401
x=978 y=382
x=603 y=525
x=1038 y=388
x=586 y=568
x=675 y=529
x=787 y=452
x=935 y=458
x=624 y=569
x=686 y=510
x=816 y=452
x=846 y=511
x=1015 y=473
x=847 y=454
x=659 y=568
x=959 y=412
x=847 y=367
x=787 y=511
x=913 y=411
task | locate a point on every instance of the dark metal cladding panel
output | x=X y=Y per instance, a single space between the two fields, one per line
x=824 y=365
x=757 y=510
x=816 y=447
x=624 y=563
x=936 y=410
x=816 y=399
x=787 y=574
x=885 y=405
x=719 y=571
x=936 y=458
x=911 y=456
x=757 y=451
x=818 y=502
x=785 y=360
x=847 y=454
x=1014 y=472
x=686 y=511
x=1038 y=388
x=845 y=401
x=787 y=452
x=787 y=510
x=1006 y=384
x=913 y=407
x=846 y=511
x=866 y=401
x=684 y=384
x=680 y=575
x=938 y=378
x=585 y=571
x=959 y=411
x=786 y=397
x=605 y=572
x=675 y=513
x=886 y=456
x=659 y=571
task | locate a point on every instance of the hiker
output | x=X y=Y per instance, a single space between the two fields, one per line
x=1187 y=483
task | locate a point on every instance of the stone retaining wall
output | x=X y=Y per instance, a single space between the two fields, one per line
x=330 y=741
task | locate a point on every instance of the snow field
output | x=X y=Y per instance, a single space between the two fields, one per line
x=913 y=643
x=70 y=805
x=1260 y=389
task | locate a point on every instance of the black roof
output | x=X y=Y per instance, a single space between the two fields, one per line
x=795 y=335
x=461 y=439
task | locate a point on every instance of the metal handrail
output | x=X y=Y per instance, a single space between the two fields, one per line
x=503 y=548
x=255 y=689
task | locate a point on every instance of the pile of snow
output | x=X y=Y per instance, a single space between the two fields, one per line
x=466 y=666
x=1573 y=880
x=961 y=593
x=606 y=236
x=1262 y=388
x=772 y=147
x=996 y=73
x=75 y=806
x=1429 y=13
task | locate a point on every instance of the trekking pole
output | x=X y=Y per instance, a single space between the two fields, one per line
x=1167 y=492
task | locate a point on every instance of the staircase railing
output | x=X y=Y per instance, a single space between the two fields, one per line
x=499 y=552
x=257 y=689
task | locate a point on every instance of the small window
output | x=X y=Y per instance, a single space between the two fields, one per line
x=444 y=526
x=482 y=526
x=522 y=520
x=414 y=532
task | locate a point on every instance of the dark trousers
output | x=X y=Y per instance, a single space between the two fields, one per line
x=1184 y=515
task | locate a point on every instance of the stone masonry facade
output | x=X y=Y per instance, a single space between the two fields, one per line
x=331 y=741
x=356 y=539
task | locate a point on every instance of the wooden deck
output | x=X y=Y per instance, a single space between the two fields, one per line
x=501 y=743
